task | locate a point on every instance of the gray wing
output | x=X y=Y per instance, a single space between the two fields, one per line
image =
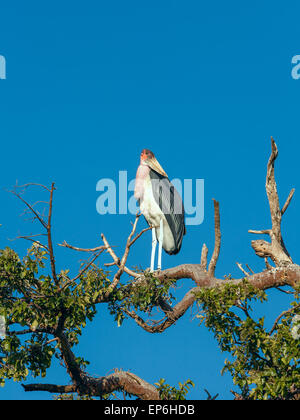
x=171 y=205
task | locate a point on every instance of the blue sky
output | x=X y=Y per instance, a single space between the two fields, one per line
x=204 y=86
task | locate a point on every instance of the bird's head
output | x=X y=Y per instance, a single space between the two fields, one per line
x=148 y=158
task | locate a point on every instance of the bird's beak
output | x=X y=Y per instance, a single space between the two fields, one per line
x=153 y=164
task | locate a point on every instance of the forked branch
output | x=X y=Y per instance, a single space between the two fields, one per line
x=275 y=249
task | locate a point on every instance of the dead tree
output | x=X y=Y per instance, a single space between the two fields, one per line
x=283 y=273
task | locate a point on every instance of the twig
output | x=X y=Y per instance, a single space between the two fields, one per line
x=139 y=235
x=209 y=396
x=33 y=184
x=71 y=281
x=122 y=263
x=288 y=200
x=66 y=245
x=284 y=291
x=31 y=209
x=29 y=238
x=260 y=232
x=241 y=268
x=250 y=269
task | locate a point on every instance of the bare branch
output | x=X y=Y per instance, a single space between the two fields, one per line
x=119 y=380
x=30 y=184
x=139 y=235
x=36 y=214
x=49 y=234
x=276 y=277
x=29 y=238
x=66 y=245
x=287 y=292
x=54 y=389
x=250 y=269
x=261 y=232
x=210 y=397
x=31 y=331
x=242 y=270
x=115 y=258
x=215 y=256
x=204 y=254
x=287 y=203
x=72 y=365
x=275 y=250
x=268 y=265
x=271 y=189
x=121 y=263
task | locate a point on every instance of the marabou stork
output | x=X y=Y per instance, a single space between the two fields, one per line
x=161 y=206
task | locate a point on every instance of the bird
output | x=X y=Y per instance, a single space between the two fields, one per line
x=161 y=205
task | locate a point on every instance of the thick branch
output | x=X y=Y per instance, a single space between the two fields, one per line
x=84 y=384
x=272 y=194
x=49 y=234
x=172 y=316
x=204 y=254
x=55 y=389
x=119 y=380
x=76 y=374
x=288 y=200
x=276 y=277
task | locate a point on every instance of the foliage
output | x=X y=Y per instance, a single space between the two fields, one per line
x=142 y=297
x=34 y=306
x=264 y=365
x=168 y=392
x=32 y=300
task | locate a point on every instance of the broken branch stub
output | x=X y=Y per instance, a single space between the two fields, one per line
x=275 y=249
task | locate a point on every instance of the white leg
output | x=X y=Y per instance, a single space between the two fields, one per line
x=161 y=238
x=154 y=242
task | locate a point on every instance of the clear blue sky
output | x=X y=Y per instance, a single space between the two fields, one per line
x=202 y=84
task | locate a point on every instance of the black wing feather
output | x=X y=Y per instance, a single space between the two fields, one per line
x=171 y=205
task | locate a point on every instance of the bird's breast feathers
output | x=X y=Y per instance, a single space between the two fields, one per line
x=153 y=214
x=149 y=208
